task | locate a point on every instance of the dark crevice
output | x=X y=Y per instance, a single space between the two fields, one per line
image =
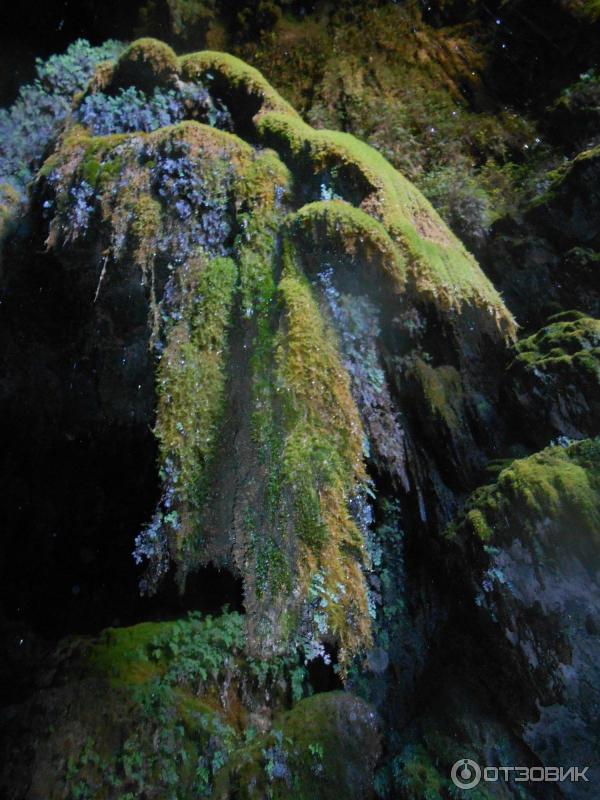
x=322 y=673
x=78 y=464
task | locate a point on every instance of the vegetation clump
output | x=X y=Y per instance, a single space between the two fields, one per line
x=225 y=267
x=570 y=339
x=555 y=376
x=557 y=488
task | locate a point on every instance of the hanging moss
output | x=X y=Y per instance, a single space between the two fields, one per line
x=439 y=267
x=330 y=229
x=191 y=393
x=233 y=75
x=322 y=460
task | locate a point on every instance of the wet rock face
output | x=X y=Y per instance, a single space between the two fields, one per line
x=536 y=588
x=548 y=262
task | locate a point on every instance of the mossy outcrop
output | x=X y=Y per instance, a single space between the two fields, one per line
x=554 y=380
x=180 y=709
x=534 y=537
x=549 y=258
x=205 y=218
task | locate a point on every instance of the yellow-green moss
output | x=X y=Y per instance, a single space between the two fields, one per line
x=322 y=457
x=559 y=486
x=334 y=228
x=570 y=339
x=121 y=654
x=191 y=393
x=305 y=424
x=439 y=266
x=259 y=189
x=146 y=63
x=237 y=76
x=442 y=390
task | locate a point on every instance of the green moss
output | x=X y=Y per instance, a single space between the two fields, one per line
x=439 y=266
x=568 y=337
x=325 y=747
x=146 y=63
x=442 y=390
x=145 y=226
x=557 y=487
x=162 y=722
x=561 y=179
x=305 y=425
x=121 y=655
x=259 y=189
x=191 y=393
x=322 y=457
x=419 y=777
x=100 y=166
x=236 y=76
x=334 y=229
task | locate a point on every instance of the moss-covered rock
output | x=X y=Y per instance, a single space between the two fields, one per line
x=547 y=262
x=557 y=487
x=145 y=64
x=318 y=358
x=531 y=543
x=180 y=709
x=554 y=380
x=576 y=109
x=325 y=745
x=230 y=279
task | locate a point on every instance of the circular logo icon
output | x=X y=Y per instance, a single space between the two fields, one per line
x=466 y=773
